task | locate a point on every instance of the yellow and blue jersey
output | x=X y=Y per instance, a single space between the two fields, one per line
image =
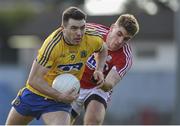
x=61 y=57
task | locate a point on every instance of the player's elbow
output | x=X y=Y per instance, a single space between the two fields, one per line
x=31 y=82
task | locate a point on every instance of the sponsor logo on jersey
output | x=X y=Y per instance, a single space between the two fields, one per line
x=69 y=67
x=91 y=62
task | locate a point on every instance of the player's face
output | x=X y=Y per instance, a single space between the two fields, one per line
x=117 y=37
x=74 y=31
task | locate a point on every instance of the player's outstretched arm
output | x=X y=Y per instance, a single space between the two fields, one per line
x=100 y=62
x=111 y=80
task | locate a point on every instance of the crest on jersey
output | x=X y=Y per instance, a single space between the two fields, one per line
x=83 y=54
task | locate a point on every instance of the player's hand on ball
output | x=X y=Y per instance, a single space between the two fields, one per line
x=68 y=86
x=68 y=96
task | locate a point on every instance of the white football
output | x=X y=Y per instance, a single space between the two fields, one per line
x=65 y=82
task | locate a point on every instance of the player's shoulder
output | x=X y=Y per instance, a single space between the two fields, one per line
x=125 y=51
x=54 y=38
x=57 y=33
x=127 y=47
x=97 y=26
x=96 y=30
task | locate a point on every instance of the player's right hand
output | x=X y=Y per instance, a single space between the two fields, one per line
x=68 y=97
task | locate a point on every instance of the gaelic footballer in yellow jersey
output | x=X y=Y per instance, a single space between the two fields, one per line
x=62 y=57
x=64 y=51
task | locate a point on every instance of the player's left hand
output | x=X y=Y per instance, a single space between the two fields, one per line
x=99 y=77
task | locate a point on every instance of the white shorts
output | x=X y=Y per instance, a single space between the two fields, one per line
x=86 y=95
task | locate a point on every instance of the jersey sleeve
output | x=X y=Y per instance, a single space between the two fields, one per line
x=99 y=45
x=124 y=62
x=99 y=33
x=47 y=54
x=96 y=43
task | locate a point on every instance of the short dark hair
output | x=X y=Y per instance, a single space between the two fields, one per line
x=74 y=13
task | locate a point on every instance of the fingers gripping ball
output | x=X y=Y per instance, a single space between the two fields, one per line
x=65 y=82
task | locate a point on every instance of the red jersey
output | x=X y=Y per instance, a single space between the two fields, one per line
x=120 y=60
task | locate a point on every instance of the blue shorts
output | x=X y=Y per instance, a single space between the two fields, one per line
x=30 y=104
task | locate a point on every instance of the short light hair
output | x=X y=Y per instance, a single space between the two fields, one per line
x=129 y=22
x=73 y=13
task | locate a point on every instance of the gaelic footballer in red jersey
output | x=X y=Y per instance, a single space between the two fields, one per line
x=119 y=60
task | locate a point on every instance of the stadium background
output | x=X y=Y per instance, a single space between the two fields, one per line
x=148 y=94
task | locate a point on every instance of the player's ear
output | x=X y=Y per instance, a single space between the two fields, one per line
x=112 y=26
